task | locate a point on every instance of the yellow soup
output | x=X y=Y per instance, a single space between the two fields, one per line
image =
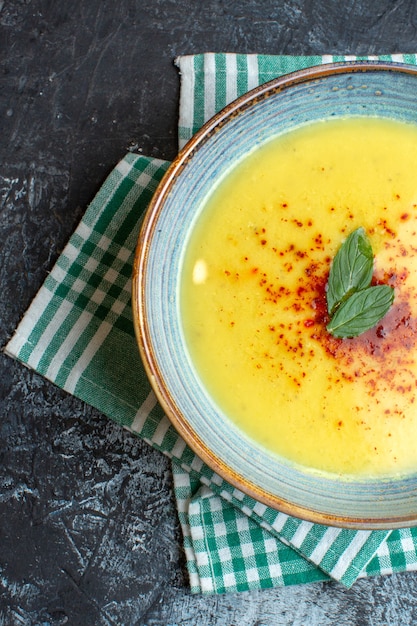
x=253 y=296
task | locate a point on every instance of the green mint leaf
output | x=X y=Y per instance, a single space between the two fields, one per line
x=351 y=269
x=361 y=311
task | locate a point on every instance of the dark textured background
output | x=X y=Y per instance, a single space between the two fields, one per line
x=88 y=529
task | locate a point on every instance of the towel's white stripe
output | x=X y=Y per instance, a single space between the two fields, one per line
x=37 y=310
x=259 y=509
x=301 y=533
x=324 y=544
x=124 y=168
x=68 y=344
x=186 y=108
x=327 y=58
x=161 y=431
x=64 y=309
x=207 y=585
x=85 y=359
x=33 y=314
x=178 y=448
x=348 y=555
x=253 y=71
x=143 y=411
x=231 y=78
x=280 y=522
x=84 y=231
x=182 y=479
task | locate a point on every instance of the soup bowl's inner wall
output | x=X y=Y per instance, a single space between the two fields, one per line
x=298 y=490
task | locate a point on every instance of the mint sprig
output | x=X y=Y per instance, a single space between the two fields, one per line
x=351 y=269
x=354 y=306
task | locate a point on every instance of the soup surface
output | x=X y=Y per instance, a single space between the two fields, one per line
x=253 y=296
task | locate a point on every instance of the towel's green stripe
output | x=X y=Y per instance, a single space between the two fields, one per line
x=242 y=74
x=273 y=67
x=42 y=324
x=133 y=205
x=221 y=80
x=130 y=208
x=127 y=191
x=198 y=108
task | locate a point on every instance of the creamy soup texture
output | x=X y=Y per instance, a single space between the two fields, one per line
x=253 y=296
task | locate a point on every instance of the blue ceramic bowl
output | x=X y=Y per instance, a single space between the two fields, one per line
x=338 y=90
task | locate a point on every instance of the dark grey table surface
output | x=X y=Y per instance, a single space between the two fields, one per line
x=88 y=528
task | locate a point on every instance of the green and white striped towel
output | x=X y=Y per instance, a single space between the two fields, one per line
x=78 y=333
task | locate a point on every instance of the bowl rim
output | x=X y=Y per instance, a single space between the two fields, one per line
x=141 y=329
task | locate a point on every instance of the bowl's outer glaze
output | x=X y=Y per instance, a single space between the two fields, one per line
x=337 y=90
